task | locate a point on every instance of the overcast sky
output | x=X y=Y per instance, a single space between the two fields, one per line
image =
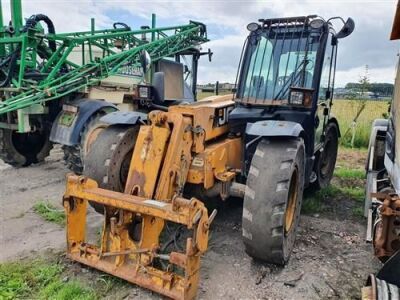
x=226 y=23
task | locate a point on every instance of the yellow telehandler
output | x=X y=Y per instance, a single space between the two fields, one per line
x=265 y=144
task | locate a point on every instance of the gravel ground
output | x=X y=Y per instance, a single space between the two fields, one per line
x=330 y=259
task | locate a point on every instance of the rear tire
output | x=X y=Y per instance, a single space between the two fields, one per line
x=326 y=160
x=74 y=156
x=24 y=149
x=109 y=157
x=272 y=201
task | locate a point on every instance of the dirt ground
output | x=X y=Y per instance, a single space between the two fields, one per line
x=330 y=259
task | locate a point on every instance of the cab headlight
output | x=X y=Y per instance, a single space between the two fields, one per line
x=252 y=27
x=301 y=96
x=144 y=92
x=296 y=98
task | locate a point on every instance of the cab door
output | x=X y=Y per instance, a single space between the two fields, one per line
x=325 y=93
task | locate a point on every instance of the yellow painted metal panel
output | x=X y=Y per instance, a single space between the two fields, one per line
x=146 y=160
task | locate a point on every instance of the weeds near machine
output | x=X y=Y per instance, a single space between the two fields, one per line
x=344 y=173
x=319 y=201
x=49 y=212
x=39 y=279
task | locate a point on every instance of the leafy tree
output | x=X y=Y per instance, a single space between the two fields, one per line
x=363 y=82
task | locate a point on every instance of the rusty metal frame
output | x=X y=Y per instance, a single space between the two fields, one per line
x=160 y=166
x=119 y=254
x=386 y=237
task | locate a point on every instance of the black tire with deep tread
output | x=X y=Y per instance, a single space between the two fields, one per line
x=266 y=198
x=109 y=152
x=331 y=144
x=74 y=156
x=24 y=149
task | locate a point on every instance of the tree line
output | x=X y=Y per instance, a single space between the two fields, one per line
x=382 y=89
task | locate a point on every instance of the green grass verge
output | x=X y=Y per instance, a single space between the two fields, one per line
x=346 y=110
x=314 y=202
x=358 y=211
x=39 y=280
x=49 y=212
x=345 y=173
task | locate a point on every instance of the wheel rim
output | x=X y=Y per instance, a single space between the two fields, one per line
x=326 y=163
x=292 y=201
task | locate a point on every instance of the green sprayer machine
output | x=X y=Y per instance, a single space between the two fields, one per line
x=58 y=87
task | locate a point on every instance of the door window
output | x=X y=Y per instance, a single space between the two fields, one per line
x=326 y=74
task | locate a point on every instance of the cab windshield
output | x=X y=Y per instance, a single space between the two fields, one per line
x=276 y=60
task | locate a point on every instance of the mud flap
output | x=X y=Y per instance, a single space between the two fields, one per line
x=136 y=256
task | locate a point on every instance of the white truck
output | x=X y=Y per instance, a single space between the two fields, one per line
x=382 y=204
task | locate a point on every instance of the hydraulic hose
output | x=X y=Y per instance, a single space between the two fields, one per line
x=32 y=22
x=12 y=59
x=122 y=25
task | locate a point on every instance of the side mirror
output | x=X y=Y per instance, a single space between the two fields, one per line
x=145 y=61
x=210 y=54
x=159 y=87
x=346 y=30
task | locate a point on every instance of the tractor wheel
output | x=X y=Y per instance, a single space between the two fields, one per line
x=74 y=156
x=109 y=157
x=326 y=160
x=272 y=201
x=23 y=149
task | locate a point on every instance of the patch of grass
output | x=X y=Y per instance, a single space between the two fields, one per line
x=311 y=205
x=358 y=211
x=49 y=212
x=39 y=279
x=345 y=173
x=108 y=283
x=66 y=291
x=354 y=193
x=314 y=202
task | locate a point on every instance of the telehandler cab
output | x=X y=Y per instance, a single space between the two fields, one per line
x=279 y=138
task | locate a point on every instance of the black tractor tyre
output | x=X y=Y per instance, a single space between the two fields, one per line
x=74 y=156
x=24 y=149
x=211 y=201
x=109 y=157
x=272 y=201
x=326 y=159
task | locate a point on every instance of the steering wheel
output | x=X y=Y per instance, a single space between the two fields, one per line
x=117 y=25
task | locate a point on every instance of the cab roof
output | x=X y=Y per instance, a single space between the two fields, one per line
x=396 y=24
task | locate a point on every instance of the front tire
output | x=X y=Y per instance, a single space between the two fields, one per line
x=74 y=156
x=109 y=157
x=272 y=202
